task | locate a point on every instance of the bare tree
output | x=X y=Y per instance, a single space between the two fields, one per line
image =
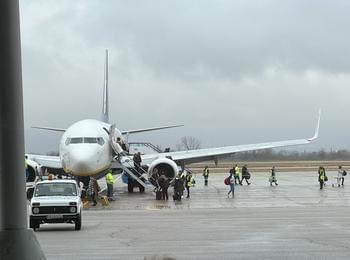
x=188 y=143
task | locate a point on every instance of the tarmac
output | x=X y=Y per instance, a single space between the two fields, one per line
x=295 y=220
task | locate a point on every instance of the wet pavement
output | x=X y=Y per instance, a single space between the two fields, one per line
x=294 y=220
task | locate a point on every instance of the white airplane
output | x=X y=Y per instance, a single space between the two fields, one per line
x=89 y=147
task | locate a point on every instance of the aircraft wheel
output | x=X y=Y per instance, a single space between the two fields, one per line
x=142 y=189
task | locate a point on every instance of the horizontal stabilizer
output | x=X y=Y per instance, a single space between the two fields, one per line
x=50 y=128
x=149 y=129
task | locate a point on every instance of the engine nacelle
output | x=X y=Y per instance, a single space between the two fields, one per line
x=31 y=170
x=165 y=167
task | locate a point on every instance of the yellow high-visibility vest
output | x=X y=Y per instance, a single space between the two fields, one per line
x=109 y=178
x=237 y=171
x=206 y=172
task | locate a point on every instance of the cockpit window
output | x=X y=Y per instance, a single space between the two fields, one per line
x=90 y=140
x=68 y=141
x=85 y=140
x=76 y=140
x=100 y=141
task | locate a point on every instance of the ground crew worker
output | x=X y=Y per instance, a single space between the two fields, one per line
x=273 y=178
x=236 y=173
x=245 y=175
x=232 y=184
x=206 y=175
x=321 y=176
x=188 y=183
x=110 y=182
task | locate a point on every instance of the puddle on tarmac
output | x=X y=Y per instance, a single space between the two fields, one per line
x=157 y=207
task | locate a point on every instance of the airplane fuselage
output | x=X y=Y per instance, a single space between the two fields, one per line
x=85 y=148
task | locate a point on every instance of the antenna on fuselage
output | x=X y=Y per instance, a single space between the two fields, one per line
x=105 y=105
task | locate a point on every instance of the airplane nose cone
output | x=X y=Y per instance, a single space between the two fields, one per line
x=83 y=162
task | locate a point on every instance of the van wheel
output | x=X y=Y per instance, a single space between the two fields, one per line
x=78 y=223
x=34 y=224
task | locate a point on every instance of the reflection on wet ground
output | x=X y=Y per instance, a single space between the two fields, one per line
x=294 y=220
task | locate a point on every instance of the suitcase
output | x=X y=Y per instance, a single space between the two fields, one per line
x=158 y=195
x=176 y=197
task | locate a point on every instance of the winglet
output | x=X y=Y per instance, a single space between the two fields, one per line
x=317 y=128
x=105 y=106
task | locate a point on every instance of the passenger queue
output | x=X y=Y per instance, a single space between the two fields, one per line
x=184 y=181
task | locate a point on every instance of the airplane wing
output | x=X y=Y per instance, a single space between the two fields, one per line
x=46 y=160
x=200 y=155
x=50 y=128
x=148 y=129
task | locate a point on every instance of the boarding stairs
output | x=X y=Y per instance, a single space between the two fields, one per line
x=131 y=171
x=124 y=162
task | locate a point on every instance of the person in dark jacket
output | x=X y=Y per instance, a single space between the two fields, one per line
x=137 y=162
x=163 y=182
x=154 y=179
x=245 y=175
x=178 y=187
x=273 y=178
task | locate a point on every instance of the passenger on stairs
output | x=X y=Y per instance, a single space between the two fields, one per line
x=137 y=162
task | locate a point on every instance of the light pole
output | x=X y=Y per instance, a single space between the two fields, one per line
x=16 y=240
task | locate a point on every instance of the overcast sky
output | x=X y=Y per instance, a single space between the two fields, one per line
x=233 y=72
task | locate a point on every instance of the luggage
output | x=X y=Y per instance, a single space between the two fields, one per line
x=158 y=195
x=104 y=200
x=227 y=181
x=344 y=173
x=176 y=197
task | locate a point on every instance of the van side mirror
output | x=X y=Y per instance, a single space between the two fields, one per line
x=30 y=193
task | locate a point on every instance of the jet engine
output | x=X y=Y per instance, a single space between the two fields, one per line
x=31 y=170
x=164 y=166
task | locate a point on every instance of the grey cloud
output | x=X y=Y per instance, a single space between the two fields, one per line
x=232 y=71
x=224 y=38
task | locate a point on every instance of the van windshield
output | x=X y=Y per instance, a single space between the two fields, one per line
x=55 y=189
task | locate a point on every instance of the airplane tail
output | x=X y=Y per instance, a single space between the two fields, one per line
x=105 y=105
